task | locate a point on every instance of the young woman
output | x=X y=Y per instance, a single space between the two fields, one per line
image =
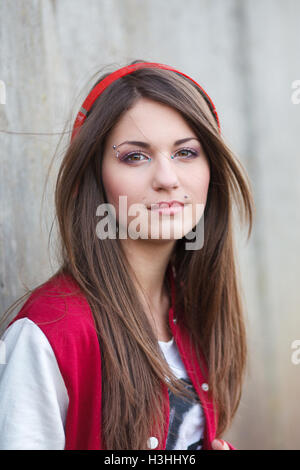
x=138 y=340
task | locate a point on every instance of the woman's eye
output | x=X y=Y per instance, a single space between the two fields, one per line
x=189 y=153
x=131 y=157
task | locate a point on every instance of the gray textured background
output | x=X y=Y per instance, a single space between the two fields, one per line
x=245 y=53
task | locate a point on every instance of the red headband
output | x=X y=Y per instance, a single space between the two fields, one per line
x=97 y=90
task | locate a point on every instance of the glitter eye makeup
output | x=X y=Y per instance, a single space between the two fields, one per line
x=193 y=152
x=128 y=156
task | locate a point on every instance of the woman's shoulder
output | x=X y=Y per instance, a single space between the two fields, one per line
x=59 y=308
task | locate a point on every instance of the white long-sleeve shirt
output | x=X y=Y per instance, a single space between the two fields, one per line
x=33 y=396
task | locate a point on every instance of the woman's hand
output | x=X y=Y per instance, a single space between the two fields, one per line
x=219 y=444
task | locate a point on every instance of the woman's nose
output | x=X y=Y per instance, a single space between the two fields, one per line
x=164 y=171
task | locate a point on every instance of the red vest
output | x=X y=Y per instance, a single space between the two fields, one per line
x=69 y=327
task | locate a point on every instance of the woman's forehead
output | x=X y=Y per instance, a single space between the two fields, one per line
x=150 y=121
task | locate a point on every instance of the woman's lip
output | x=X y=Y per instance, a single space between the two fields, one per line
x=166 y=209
x=163 y=205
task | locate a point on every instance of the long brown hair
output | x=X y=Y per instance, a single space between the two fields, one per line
x=208 y=294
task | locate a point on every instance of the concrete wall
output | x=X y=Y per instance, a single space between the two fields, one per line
x=246 y=55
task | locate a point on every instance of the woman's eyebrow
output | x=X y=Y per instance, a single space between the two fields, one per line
x=147 y=145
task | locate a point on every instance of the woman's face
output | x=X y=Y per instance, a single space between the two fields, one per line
x=149 y=175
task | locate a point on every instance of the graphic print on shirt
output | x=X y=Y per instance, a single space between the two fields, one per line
x=183 y=413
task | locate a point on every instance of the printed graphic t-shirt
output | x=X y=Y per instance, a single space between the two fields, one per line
x=186 y=426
